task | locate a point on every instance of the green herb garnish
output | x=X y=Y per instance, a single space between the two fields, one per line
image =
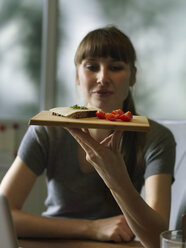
x=78 y=107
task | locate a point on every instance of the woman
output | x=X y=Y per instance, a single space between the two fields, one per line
x=94 y=176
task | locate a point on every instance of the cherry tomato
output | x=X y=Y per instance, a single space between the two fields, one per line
x=124 y=117
x=129 y=115
x=100 y=114
x=110 y=117
x=116 y=115
x=118 y=112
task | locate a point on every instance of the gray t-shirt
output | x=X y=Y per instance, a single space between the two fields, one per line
x=72 y=193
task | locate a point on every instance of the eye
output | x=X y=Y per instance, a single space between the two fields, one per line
x=92 y=67
x=116 y=67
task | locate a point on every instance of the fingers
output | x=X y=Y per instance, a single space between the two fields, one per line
x=84 y=138
x=117 y=238
x=91 y=147
x=122 y=232
x=125 y=236
x=122 y=237
x=85 y=130
x=113 y=140
x=113 y=229
x=107 y=140
x=116 y=139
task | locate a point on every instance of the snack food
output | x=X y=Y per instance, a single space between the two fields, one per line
x=74 y=111
x=78 y=112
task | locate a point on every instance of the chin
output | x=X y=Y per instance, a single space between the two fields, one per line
x=106 y=106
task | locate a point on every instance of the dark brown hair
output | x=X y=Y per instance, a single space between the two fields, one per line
x=111 y=42
x=106 y=42
x=133 y=146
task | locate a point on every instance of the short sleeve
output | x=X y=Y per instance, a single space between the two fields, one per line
x=160 y=151
x=33 y=149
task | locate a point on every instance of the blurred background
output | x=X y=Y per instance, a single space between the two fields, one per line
x=38 y=40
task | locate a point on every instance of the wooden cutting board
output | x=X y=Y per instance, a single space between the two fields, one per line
x=46 y=118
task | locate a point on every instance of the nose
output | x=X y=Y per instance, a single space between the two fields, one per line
x=103 y=75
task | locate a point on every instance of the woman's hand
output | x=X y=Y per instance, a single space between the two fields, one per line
x=104 y=156
x=112 y=229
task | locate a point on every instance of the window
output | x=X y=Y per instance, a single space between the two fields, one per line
x=157 y=30
x=20 y=58
x=20 y=66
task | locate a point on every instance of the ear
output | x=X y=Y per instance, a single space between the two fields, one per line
x=133 y=76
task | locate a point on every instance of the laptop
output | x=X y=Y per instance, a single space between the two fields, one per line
x=8 y=238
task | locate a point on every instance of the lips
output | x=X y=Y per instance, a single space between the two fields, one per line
x=102 y=92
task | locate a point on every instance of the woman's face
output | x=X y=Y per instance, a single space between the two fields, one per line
x=105 y=82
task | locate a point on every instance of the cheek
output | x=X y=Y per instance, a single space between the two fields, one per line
x=123 y=82
x=82 y=77
x=84 y=84
x=123 y=87
x=86 y=81
x=124 y=92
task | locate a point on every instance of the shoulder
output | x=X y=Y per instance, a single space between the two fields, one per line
x=159 y=133
x=45 y=131
x=160 y=142
x=40 y=145
x=45 y=136
x=160 y=149
x=156 y=126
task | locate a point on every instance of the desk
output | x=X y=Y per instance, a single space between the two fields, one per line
x=59 y=243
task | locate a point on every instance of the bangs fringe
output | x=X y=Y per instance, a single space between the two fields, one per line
x=106 y=44
x=104 y=48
